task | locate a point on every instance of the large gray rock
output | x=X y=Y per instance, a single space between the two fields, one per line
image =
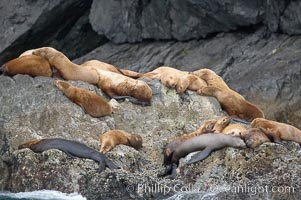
x=266 y=70
x=32 y=108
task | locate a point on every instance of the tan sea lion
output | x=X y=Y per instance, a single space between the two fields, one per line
x=254 y=137
x=67 y=69
x=26 y=53
x=207 y=143
x=190 y=82
x=235 y=130
x=233 y=103
x=93 y=104
x=207 y=127
x=211 y=78
x=112 y=138
x=116 y=85
x=72 y=149
x=277 y=131
x=221 y=124
x=30 y=64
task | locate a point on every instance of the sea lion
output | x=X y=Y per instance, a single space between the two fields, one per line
x=221 y=124
x=277 y=131
x=237 y=130
x=112 y=138
x=30 y=64
x=207 y=127
x=67 y=69
x=254 y=137
x=190 y=82
x=93 y=104
x=115 y=85
x=207 y=143
x=72 y=149
x=233 y=103
x=211 y=78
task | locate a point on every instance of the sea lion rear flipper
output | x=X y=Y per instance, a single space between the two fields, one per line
x=110 y=164
x=200 y=156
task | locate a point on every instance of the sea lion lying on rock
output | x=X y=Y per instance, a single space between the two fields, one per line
x=30 y=64
x=207 y=127
x=207 y=143
x=93 y=104
x=67 y=69
x=277 y=131
x=112 y=138
x=72 y=149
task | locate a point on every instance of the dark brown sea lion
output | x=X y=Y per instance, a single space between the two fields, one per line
x=71 y=148
x=30 y=64
x=93 y=104
x=205 y=143
x=112 y=138
x=254 y=137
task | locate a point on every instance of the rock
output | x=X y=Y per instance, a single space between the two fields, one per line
x=136 y=20
x=31 y=24
x=265 y=70
x=290 y=19
x=33 y=108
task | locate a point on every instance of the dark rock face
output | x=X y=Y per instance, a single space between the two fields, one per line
x=135 y=20
x=265 y=70
x=31 y=24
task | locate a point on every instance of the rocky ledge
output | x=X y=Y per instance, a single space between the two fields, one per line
x=33 y=108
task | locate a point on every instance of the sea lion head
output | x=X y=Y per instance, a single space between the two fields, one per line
x=135 y=141
x=239 y=143
x=3 y=69
x=254 y=137
x=222 y=123
x=182 y=84
x=62 y=85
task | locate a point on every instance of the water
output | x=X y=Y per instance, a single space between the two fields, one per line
x=41 y=195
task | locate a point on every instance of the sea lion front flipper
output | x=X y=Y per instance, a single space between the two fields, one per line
x=166 y=171
x=200 y=156
x=173 y=174
x=271 y=135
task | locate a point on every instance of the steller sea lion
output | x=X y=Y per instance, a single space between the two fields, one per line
x=254 y=137
x=30 y=64
x=72 y=149
x=112 y=138
x=277 y=131
x=67 y=69
x=207 y=143
x=234 y=104
x=116 y=85
x=190 y=82
x=207 y=127
x=93 y=104
x=211 y=78
x=237 y=130
x=221 y=124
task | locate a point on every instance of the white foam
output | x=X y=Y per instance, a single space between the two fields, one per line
x=44 y=195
